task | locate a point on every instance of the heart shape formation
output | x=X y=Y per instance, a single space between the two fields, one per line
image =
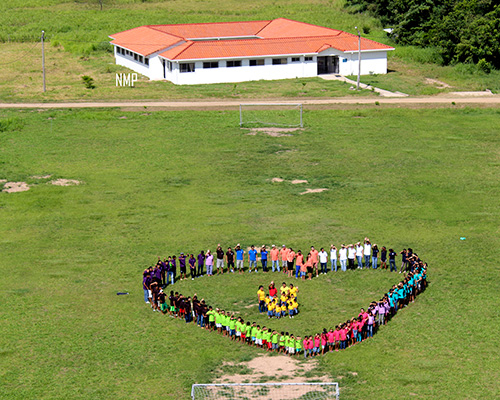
x=346 y=334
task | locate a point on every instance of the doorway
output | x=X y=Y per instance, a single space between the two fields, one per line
x=328 y=65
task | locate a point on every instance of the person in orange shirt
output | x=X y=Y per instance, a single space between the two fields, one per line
x=314 y=256
x=275 y=258
x=284 y=258
x=309 y=266
x=298 y=263
x=290 y=259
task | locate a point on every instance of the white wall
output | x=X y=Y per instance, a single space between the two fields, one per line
x=224 y=74
x=129 y=62
x=371 y=63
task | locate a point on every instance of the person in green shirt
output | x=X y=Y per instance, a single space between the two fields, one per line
x=238 y=328
x=291 y=346
x=274 y=340
x=232 y=327
x=266 y=339
x=282 y=342
x=254 y=333
x=248 y=333
x=217 y=316
x=258 y=337
x=287 y=339
x=211 y=318
x=298 y=345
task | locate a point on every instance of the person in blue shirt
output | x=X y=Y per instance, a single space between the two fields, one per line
x=239 y=258
x=252 y=258
x=263 y=258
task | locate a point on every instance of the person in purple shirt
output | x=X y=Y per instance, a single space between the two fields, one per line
x=173 y=268
x=192 y=266
x=201 y=262
x=146 y=283
x=182 y=266
x=157 y=274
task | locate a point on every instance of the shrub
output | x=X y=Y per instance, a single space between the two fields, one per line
x=88 y=81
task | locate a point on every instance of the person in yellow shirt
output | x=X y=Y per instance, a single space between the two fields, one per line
x=284 y=297
x=270 y=309
x=261 y=297
x=278 y=310
x=284 y=288
x=293 y=290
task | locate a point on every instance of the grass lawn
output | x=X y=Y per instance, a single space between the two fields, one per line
x=165 y=182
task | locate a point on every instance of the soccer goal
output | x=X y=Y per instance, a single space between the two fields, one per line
x=271 y=114
x=266 y=391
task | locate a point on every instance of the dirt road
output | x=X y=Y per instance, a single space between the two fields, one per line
x=482 y=101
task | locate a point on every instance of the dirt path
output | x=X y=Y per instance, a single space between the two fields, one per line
x=492 y=100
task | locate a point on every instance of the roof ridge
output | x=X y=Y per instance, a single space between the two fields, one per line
x=153 y=27
x=189 y=44
x=265 y=26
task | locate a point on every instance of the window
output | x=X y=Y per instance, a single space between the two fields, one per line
x=295 y=59
x=119 y=50
x=186 y=67
x=308 y=58
x=211 y=64
x=169 y=65
x=136 y=57
x=235 y=63
x=253 y=63
x=141 y=59
x=279 y=61
x=146 y=61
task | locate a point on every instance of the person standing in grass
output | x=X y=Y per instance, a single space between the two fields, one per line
x=314 y=259
x=261 y=298
x=173 y=268
x=290 y=261
x=272 y=290
x=343 y=257
x=367 y=252
x=392 y=260
x=263 y=258
x=209 y=263
x=359 y=255
x=192 y=266
x=309 y=266
x=182 y=266
x=298 y=263
x=351 y=254
x=333 y=257
x=375 y=252
x=323 y=260
x=201 y=262
x=284 y=257
x=298 y=345
x=252 y=258
x=383 y=258
x=230 y=259
x=275 y=258
x=146 y=283
x=220 y=259
x=239 y=258
x=403 y=253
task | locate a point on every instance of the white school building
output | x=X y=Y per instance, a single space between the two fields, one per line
x=188 y=54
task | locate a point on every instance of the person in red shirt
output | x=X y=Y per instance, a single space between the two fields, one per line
x=290 y=258
x=314 y=256
x=309 y=266
x=275 y=258
x=272 y=290
x=284 y=256
x=298 y=264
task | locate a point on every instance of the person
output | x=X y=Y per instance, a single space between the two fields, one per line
x=201 y=262
x=375 y=252
x=230 y=259
x=383 y=258
x=298 y=263
x=298 y=345
x=239 y=258
x=359 y=255
x=323 y=260
x=261 y=296
x=146 y=283
x=187 y=310
x=284 y=257
x=403 y=260
x=272 y=290
x=309 y=266
x=351 y=253
x=182 y=266
x=275 y=258
x=392 y=260
x=192 y=266
x=343 y=257
x=209 y=263
x=290 y=261
x=367 y=252
x=314 y=259
x=333 y=257
x=220 y=259
x=263 y=258
x=252 y=258
x=173 y=268
x=155 y=291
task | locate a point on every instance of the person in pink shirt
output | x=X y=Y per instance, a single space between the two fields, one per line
x=305 y=344
x=314 y=256
x=343 y=337
x=323 y=341
x=298 y=264
x=330 y=340
x=284 y=255
x=336 y=336
x=275 y=258
x=369 y=325
x=317 y=344
x=290 y=260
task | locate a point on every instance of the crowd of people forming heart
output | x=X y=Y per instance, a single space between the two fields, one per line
x=282 y=303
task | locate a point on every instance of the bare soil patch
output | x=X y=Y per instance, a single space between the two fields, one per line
x=277 y=180
x=14 y=187
x=272 y=131
x=437 y=83
x=319 y=190
x=297 y=181
x=40 y=176
x=65 y=182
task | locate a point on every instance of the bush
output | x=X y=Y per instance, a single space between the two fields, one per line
x=484 y=66
x=88 y=81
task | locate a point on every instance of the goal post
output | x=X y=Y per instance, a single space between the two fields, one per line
x=266 y=391
x=288 y=115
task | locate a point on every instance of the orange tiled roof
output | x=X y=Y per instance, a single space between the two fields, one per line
x=277 y=37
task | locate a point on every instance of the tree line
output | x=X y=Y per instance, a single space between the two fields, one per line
x=466 y=31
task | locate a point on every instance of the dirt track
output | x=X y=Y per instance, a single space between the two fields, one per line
x=435 y=101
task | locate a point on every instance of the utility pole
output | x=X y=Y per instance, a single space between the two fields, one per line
x=43 y=60
x=359 y=57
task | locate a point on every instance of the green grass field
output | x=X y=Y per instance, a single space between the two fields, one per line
x=165 y=182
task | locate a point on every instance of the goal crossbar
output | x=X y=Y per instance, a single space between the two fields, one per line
x=330 y=390
x=268 y=107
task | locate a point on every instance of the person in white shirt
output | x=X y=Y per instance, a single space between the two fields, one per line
x=343 y=257
x=333 y=257
x=359 y=254
x=351 y=253
x=323 y=260
x=367 y=252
